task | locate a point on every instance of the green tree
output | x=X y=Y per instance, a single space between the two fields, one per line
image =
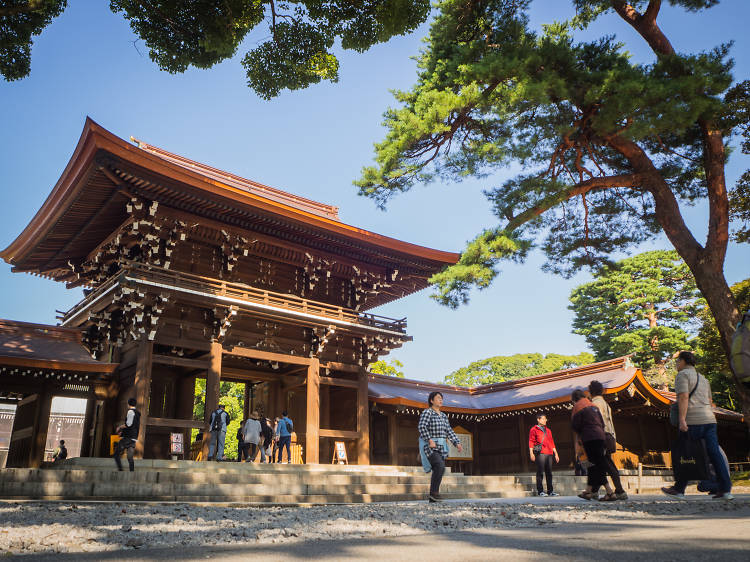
x=296 y=53
x=609 y=148
x=645 y=305
x=511 y=367
x=232 y=395
x=392 y=369
x=712 y=360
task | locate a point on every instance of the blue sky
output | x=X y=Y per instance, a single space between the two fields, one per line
x=314 y=143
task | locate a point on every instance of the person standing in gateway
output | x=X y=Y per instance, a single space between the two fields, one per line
x=128 y=435
x=218 y=424
x=541 y=450
x=284 y=432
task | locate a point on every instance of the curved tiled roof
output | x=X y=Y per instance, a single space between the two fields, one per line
x=541 y=390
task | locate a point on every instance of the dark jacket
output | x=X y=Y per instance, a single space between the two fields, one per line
x=588 y=424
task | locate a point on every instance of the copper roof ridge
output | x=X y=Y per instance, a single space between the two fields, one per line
x=330 y=211
x=68 y=333
x=598 y=367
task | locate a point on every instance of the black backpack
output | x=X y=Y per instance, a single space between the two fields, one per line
x=267 y=432
x=216 y=425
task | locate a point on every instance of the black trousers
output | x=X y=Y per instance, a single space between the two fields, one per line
x=597 y=472
x=437 y=462
x=543 y=465
x=125 y=444
x=613 y=473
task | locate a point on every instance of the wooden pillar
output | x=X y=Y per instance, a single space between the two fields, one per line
x=89 y=429
x=213 y=382
x=523 y=436
x=393 y=438
x=41 y=424
x=184 y=410
x=143 y=390
x=363 y=420
x=247 y=407
x=312 y=429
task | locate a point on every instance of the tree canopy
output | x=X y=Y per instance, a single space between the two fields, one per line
x=297 y=51
x=609 y=148
x=392 y=369
x=511 y=367
x=646 y=305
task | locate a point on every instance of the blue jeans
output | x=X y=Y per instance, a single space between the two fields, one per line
x=285 y=441
x=217 y=442
x=707 y=432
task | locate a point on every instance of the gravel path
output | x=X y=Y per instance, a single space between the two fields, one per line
x=46 y=527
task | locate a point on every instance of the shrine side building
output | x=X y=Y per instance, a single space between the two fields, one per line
x=190 y=273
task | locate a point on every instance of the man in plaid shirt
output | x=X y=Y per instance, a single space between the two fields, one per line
x=434 y=429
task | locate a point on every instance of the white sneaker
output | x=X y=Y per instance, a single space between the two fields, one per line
x=553 y=494
x=724 y=496
x=542 y=494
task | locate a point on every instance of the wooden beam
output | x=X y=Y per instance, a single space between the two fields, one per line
x=339 y=382
x=184 y=343
x=269 y=356
x=338 y=434
x=170 y=422
x=213 y=380
x=336 y=366
x=312 y=435
x=143 y=390
x=181 y=362
x=363 y=420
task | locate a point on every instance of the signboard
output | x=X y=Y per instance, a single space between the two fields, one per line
x=339 y=453
x=175 y=443
x=467 y=441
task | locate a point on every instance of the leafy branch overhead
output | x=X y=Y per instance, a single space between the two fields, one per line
x=603 y=142
x=296 y=49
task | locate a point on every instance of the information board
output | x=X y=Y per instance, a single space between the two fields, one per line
x=467 y=441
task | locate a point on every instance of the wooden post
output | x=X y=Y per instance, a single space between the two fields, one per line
x=87 y=439
x=363 y=420
x=143 y=390
x=41 y=425
x=393 y=438
x=312 y=429
x=523 y=437
x=213 y=382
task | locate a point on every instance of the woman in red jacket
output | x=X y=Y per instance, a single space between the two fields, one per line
x=541 y=450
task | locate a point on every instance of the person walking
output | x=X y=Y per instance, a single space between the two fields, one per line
x=251 y=436
x=596 y=391
x=284 y=430
x=434 y=431
x=241 y=450
x=266 y=434
x=275 y=439
x=218 y=424
x=541 y=451
x=697 y=421
x=61 y=453
x=588 y=424
x=128 y=433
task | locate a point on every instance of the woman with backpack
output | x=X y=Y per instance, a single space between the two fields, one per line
x=588 y=424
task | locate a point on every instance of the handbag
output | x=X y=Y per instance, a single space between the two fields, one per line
x=610 y=443
x=538 y=447
x=689 y=459
x=674 y=409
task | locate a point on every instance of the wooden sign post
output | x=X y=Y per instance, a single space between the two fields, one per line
x=339 y=453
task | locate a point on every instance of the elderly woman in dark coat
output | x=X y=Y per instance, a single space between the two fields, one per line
x=588 y=424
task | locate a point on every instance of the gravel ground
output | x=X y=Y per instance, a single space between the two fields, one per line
x=47 y=527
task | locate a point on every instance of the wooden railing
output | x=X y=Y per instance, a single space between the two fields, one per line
x=240 y=292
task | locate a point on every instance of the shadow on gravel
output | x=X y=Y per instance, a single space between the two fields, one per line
x=601 y=541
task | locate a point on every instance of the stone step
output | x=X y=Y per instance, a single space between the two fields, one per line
x=161 y=464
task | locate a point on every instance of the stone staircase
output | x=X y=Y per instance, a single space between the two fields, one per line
x=94 y=479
